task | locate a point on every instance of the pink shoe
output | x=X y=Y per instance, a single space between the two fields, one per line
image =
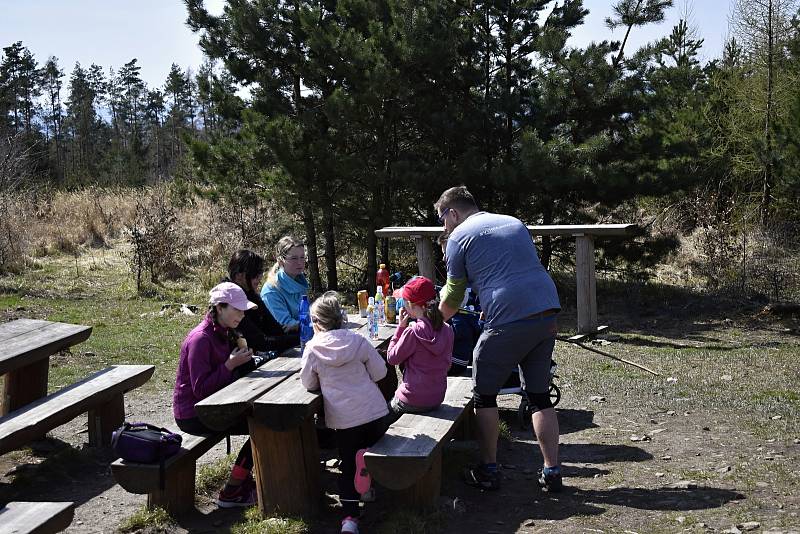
x=362 y=480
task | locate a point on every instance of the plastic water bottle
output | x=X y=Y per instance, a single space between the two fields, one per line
x=379 y=305
x=372 y=319
x=306 y=332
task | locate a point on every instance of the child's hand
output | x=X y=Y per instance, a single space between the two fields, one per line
x=402 y=320
x=238 y=357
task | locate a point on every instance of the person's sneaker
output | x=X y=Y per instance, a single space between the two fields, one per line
x=550 y=481
x=349 y=525
x=369 y=496
x=480 y=477
x=237 y=496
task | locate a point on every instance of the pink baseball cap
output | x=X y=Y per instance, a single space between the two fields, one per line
x=230 y=293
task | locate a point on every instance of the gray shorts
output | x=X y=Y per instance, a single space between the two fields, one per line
x=527 y=343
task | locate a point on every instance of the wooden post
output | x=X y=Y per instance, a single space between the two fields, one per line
x=177 y=497
x=586 y=285
x=286 y=465
x=105 y=419
x=425 y=257
x=25 y=385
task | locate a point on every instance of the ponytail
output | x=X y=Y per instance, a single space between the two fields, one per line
x=433 y=314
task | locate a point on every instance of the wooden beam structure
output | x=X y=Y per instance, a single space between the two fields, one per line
x=584 y=234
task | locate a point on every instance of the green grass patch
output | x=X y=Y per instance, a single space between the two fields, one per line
x=505 y=431
x=211 y=476
x=408 y=522
x=155 y=520
x=255 y=523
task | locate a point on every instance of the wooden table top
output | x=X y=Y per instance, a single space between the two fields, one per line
x=25 y=341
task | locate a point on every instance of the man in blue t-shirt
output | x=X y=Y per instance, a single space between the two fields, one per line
x=495 y=255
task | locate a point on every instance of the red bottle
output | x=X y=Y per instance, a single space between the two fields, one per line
x=382 y=279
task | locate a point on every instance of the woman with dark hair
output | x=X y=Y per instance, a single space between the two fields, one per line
x=259 y=327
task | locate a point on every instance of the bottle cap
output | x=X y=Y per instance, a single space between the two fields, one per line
x=379 y=290
x=372 y=300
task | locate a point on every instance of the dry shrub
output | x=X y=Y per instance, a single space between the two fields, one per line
x=13 y=236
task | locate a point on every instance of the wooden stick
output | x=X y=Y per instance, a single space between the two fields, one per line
x=607 y=355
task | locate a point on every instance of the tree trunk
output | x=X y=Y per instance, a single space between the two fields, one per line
x=329 y=230
x=311 y=246
x=766 y=192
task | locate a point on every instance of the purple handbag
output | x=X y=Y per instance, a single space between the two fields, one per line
x=147 y=444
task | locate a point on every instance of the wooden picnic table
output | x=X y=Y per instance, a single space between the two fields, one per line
x=279 y=411
x=27 y=345
x=584 y=235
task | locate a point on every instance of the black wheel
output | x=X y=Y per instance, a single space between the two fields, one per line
x=524 y=412
x=555 y=394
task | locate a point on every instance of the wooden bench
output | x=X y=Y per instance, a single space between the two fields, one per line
x=25 y=358
x=176 y=494
x=101 y=395
x=35 y=517
x=408 y=458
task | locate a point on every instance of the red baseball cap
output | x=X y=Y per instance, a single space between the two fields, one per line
x=418 y=290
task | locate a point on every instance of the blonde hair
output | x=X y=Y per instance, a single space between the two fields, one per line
x=285 y=244
x=326 y=311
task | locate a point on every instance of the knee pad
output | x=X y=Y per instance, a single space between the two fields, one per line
x=539 y=401
x=484 y=401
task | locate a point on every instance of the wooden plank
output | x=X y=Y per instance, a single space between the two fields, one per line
x=144 y=478
x=424 y=493
x=36 y=517
x=605 y=230
x=286 y=405
x=287 y=469
x=20 y=326
x=36 y=419
x=222 y=409
x=404 y=454
x=23 y=349
x=586 y=284
x=587 y=335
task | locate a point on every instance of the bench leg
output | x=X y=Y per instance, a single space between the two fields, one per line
x=24 y=385
x=286 y=465
x=177 y=497
x=425 y=492
x=105 y=419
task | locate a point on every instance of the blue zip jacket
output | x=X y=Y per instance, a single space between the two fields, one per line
x=283 y=299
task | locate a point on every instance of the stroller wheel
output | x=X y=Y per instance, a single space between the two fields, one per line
x=555 y=394
x=524 y=412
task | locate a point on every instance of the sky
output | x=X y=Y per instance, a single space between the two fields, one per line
x=112 y=32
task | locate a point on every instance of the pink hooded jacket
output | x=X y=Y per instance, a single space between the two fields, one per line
x=345 y=367
x=427 y=354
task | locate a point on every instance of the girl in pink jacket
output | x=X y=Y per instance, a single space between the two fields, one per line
x=426 y=349
x=345 y=367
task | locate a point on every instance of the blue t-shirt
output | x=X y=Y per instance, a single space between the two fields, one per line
x=496 y=254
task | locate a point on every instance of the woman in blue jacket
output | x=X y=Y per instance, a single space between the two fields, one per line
x=286 y=283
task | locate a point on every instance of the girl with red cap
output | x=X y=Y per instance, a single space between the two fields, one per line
x=425 y=348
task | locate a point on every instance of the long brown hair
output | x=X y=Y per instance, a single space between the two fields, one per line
x=433 y=314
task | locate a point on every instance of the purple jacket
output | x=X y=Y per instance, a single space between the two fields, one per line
x=427 y=356
x=201 y=368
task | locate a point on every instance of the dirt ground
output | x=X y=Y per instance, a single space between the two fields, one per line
x=679 y=452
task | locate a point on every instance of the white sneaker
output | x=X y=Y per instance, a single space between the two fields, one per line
x=349 y=525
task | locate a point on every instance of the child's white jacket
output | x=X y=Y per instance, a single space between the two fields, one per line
x=345 y=367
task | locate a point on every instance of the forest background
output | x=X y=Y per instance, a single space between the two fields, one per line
x=331 y=119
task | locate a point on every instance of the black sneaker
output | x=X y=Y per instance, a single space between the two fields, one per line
x=482 y=478
x=550 y=482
